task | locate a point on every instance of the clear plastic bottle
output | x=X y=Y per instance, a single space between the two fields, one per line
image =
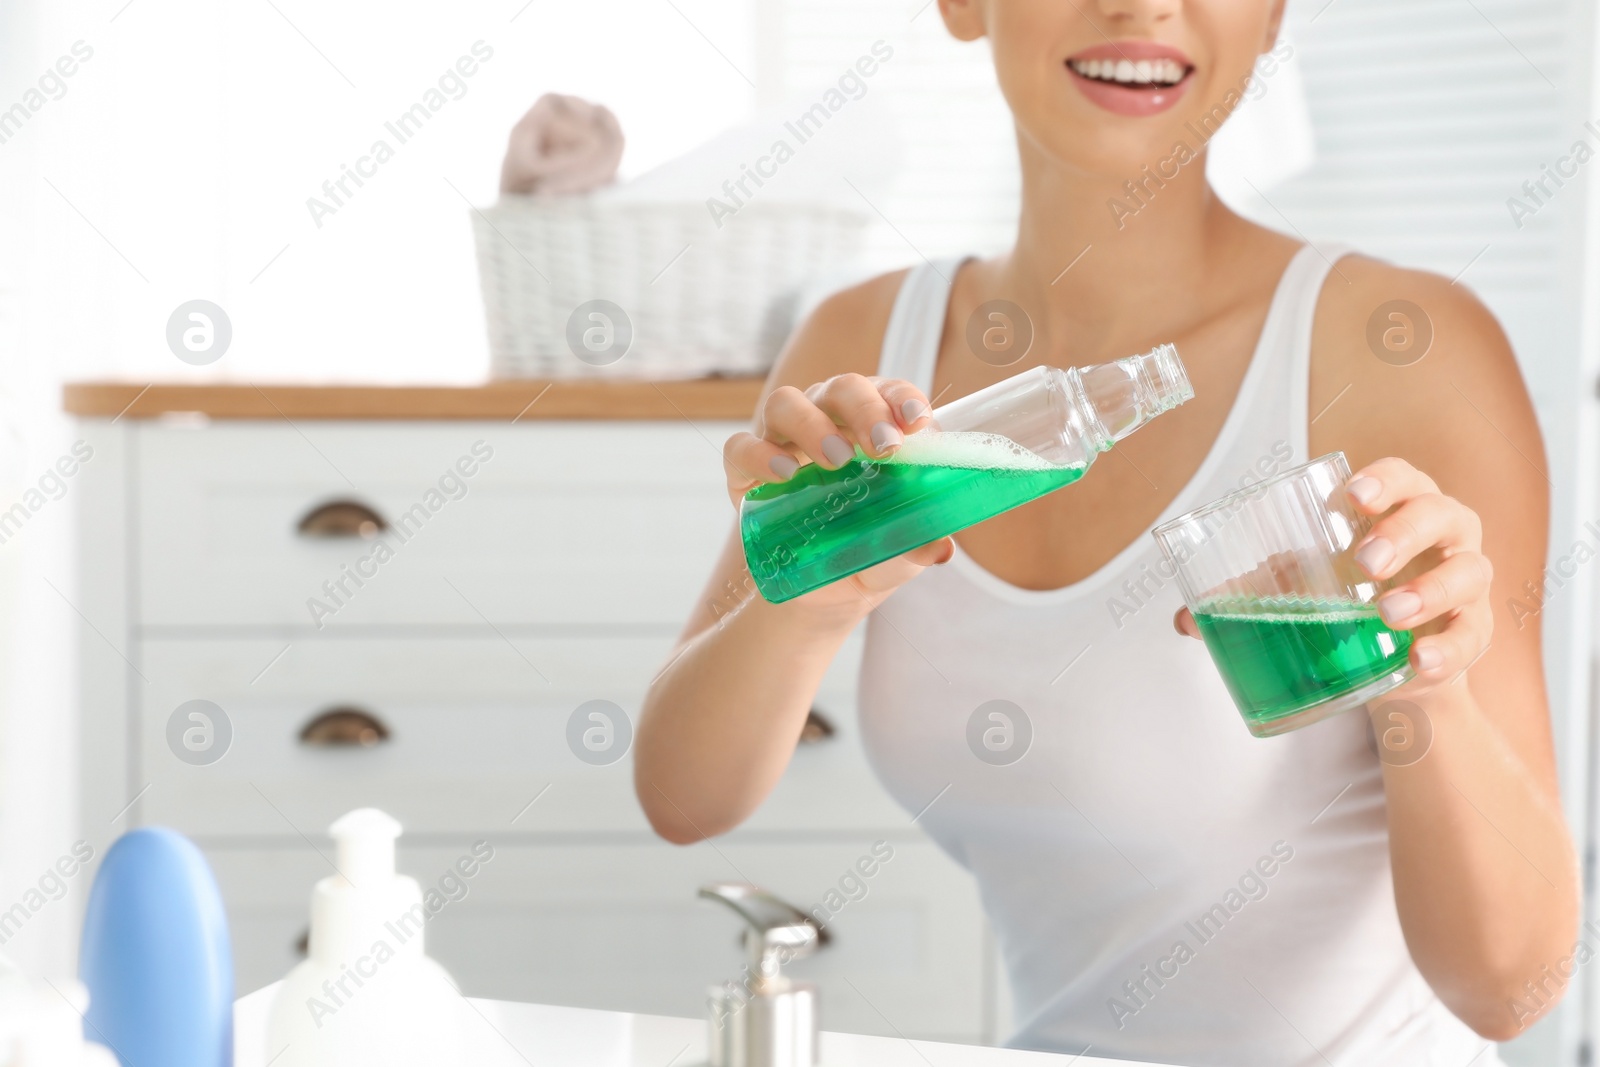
x=985 y=453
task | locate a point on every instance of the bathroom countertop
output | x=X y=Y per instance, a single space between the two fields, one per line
x=502 y=1034
x=526 y=400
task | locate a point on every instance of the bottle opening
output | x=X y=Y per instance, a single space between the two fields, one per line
x=1165 y=377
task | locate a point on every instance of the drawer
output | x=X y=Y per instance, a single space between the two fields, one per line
x=620 y=928
x=475 y=734
x=570 y=523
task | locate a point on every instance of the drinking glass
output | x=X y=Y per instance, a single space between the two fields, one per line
x=1289 y=617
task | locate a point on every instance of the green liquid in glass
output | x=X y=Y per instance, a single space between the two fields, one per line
x=822 y=525
x=1280 y=656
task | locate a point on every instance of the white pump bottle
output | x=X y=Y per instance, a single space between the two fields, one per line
x=366 y=994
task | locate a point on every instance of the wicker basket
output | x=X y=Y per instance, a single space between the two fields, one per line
x=697 y=300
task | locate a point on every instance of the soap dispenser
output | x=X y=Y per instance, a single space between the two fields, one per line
x=763 y=1019
x=366 y=995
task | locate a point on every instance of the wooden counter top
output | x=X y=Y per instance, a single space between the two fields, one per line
x=707 y=398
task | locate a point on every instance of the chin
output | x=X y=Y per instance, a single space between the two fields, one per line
x=1117 y=149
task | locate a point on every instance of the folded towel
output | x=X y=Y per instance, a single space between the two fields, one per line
x=564 y=144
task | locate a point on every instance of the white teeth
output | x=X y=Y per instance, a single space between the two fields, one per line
x=1127 y=72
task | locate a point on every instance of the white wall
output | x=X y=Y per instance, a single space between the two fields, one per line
x=193 y=138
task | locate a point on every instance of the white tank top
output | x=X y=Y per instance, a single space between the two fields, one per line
x=1162 y=885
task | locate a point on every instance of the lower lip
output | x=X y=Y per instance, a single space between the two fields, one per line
x=1125 y=101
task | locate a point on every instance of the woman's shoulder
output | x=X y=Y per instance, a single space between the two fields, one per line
x=842 y=335
x=1360 y=285
x=1374 y=318
x=1407 y=360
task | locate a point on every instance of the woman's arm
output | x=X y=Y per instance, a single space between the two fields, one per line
x=722 y=718
x=1485 y=878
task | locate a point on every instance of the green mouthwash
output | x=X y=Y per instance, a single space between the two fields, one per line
x=1279 y=656
x=823 y=525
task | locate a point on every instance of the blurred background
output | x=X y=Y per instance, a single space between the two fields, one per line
x=177 y=162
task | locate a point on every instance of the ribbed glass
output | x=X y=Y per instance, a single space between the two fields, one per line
x=1290 y=618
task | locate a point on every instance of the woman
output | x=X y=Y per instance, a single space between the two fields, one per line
x=1162 y=885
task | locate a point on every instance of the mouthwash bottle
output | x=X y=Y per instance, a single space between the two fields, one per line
x=985 y=453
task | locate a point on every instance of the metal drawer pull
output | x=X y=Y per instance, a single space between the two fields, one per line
x=342 y=518
x=344 y=727
x=817 y=728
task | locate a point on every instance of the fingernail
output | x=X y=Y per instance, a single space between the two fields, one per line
x=885 y=436
x=1427 y=658
x=1364 y=489
x=837 y=450
x=783 y=466
x=1375 y=555
x=912 y=410
x=1398 y=607
x=949 y=554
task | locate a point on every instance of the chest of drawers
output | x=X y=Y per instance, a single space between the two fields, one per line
x=406 y=613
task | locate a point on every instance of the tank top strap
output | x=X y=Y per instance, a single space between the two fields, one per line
x=916 y=324
x=1289 y=327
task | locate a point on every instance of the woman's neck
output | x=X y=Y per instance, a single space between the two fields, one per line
x=1101 y=258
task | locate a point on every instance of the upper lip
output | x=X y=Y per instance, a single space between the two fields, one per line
x=1132 y=50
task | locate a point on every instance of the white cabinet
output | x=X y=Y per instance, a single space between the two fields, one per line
x=527 y=569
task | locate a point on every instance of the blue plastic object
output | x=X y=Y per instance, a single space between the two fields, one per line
x=156 y=955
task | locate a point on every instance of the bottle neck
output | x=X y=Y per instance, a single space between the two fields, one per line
x=1065 y=417
x=1119 y=397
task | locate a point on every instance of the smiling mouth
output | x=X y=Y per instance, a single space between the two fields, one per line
x=1131 y=74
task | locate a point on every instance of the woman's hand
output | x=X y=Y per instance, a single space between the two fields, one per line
x=1455 y=590
x=1420 y=520
x=825 y=424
